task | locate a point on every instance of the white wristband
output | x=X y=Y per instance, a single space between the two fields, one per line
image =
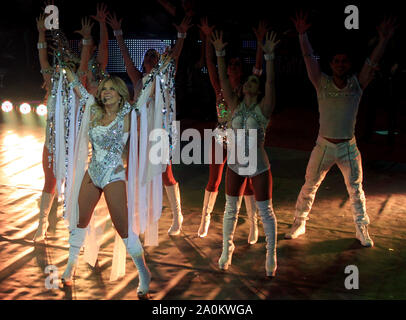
x=221 y=53
x=86 y=42
x=181 y=35
x=269 y=56
x=41 y=45
x=257 y=72
x=118 y=32
x=370 y=63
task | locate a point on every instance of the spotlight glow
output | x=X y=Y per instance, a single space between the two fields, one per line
x=42 y=110
x=25 y=108
x=6 y=106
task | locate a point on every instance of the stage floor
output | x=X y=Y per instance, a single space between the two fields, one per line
x=185 y=266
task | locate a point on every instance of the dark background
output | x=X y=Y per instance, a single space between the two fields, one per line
x=148 y=19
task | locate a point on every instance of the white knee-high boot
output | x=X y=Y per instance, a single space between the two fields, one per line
x=174 y=201
x=229 y=223
x=44 y=208
x=270 y=229
x=136 y=252
x=76 y=240
x=251 y=207
x=208 y=205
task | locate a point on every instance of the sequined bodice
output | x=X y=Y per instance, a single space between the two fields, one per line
x=108 y=143
x=250 y=118
x=246 y=118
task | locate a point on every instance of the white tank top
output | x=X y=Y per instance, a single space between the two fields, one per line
x=338 y=107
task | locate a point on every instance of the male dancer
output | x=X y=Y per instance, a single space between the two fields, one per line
x=338 y=97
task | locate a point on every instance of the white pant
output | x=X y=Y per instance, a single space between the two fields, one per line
x=348 y=158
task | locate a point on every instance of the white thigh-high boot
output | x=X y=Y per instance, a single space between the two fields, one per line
x=229 y=223
x=174 y=201
x=136 y=252
x=251 y=207
x=208 y=205
x=44 y=208
x=76 y=240
x=270 y=229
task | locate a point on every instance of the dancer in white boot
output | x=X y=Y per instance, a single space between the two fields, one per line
x=235 y=73
x=109 y=130
x=50 y=82
x=338 y=98
x=138 y=79
x=250 y=113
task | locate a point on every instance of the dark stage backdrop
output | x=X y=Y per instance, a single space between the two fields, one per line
x=148 y=20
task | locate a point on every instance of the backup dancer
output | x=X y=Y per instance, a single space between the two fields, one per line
x=338 y=97
x=234 y=72
x=50 y=76
x=250 y=112
x=138 y=78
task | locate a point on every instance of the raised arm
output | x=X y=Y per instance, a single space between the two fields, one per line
x=182 y=30
x=229 y=96
x=386 y=30
x=312 y=64
x=77 y=86
x=168 y=7
x=103 y=52
x=86 y=33
x=260 y=34
x=134 y=74
x=211 y=67
x=46 y=68
x=268 y=102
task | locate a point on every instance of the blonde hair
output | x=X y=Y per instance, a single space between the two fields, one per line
x=120 y=87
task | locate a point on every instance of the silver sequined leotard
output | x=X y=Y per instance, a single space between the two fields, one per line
x=108 y=143
x=251 y=118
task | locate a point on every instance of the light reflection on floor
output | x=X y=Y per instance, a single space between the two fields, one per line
x=185 y=267
x=21 y=157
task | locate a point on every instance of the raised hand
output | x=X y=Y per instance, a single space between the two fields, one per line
x=387 y=28
x=41 y=23
x=204 y=27
x=217 y=40
x=86 y=30
x=114 y=22
x=185 y=25
x=300 y=22
x=261 y=30
x=270 y=43
x=101 y=13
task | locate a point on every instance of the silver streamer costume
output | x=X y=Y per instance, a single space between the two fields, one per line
x=50 y=123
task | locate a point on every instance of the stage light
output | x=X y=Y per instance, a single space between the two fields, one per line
x=6 y=106
x=41 y=110
x=25 y=108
